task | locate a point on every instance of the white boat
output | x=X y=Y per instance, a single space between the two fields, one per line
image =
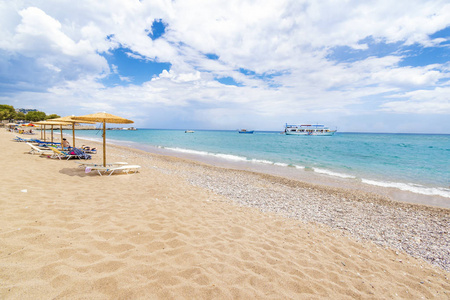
x=189 y=131
x=319 y=130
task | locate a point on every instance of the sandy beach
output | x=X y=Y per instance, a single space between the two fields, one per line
x=182 y=229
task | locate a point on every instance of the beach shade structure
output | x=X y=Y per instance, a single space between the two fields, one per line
x=104 y=118
x=72 y=120
x=52 y=123
x=42 y=128
x=10 y=125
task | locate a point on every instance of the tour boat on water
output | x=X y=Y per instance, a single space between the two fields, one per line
x=319 y=130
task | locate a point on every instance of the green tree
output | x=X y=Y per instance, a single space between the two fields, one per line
x=52 y=116
x=7 y=112
x=20 y=116
x=35 y=116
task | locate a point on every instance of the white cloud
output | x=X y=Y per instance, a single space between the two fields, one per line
x=124 y=78
x=435 y=101
x=41 y=54
x=56 y=47
x=183 y=77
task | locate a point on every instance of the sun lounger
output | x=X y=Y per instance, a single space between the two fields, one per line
x=111 y=169
x=44 y=143
x=62 y=154
x=40 y=141
x=42 y=147
x=37 y=150
x=19 y=139
x=74 y=153
x=88 y=149
x=81 y=154
x=85 y=164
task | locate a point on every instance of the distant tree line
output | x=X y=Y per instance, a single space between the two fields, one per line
x=7 y=112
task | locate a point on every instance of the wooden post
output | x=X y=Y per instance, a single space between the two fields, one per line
x=73 y=134
x=104 y=143
x=60 y=127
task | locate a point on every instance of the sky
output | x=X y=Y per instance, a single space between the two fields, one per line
x=358 y=66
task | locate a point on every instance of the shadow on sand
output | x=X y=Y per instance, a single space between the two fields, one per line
x=76 y=171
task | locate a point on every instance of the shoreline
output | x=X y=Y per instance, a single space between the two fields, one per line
x=308 y=176
x=185 y=229
x=304 y=175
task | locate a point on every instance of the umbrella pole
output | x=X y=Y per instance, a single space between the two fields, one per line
x=45 y=138
x=52 y=134
x=60 y=127
x=73 y=134
x=104 y=143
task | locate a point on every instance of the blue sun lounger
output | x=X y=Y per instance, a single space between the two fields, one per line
x=19 y=139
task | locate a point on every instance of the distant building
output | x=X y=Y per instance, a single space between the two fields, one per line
x=25 y=110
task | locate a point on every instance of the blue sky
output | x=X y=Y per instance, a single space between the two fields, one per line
x=356 y=65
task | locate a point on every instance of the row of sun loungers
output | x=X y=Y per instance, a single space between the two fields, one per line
x=78 y=153
x=36 y=141
x=52 y=152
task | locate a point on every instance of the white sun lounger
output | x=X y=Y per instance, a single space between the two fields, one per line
x=111 y=169
x=36 y=150
x=85 y=164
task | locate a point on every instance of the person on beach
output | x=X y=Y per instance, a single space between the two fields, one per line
x=65 y=144
x=88 y=149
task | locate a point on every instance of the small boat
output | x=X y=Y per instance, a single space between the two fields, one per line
x=316 y=130
x=189 y=131
x=246 y=131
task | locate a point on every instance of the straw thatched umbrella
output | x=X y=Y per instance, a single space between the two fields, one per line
x=104 y=118
x=10 y=125
x=72 y=120
x=51 y=123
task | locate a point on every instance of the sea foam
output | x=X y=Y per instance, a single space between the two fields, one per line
x=226 y=156
x=205 y=153
x=415 y=188
x=331 y=173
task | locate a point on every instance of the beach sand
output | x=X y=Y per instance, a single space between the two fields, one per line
x=180 y=229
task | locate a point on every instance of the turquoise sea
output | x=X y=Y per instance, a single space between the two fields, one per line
x=419 y=163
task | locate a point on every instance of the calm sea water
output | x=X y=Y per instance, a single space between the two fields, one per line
x=418 y=163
